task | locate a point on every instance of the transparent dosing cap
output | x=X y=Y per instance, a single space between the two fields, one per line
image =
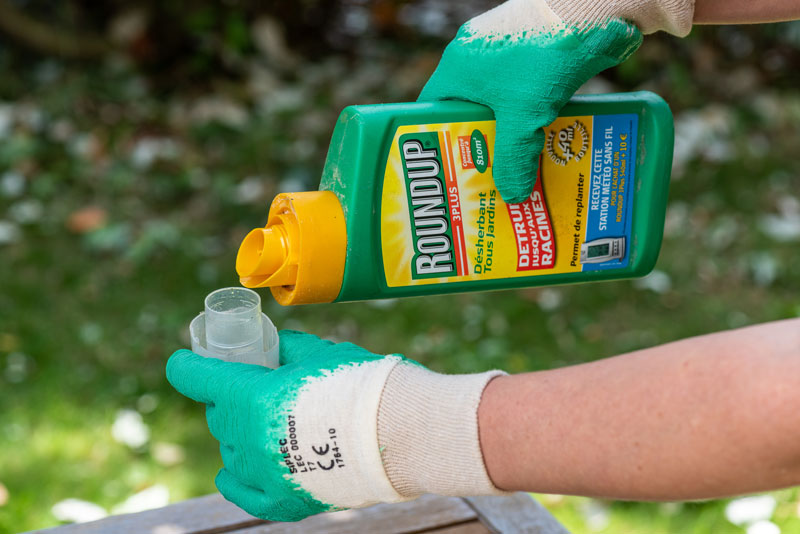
x=233 y=328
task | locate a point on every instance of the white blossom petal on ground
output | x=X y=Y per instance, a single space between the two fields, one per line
x=9 y=233
x=750 y=509
x=764 y=527
x=596 y=514
x=156 y=496
x=78 y=511
x=168 y=454
x=129 y=429
x=657 y=281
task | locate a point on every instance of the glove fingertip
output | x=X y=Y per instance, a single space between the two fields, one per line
x=430 y=92
x=182 y=353
x=195 y=376
x=287 y=333
x=516 y=186
x=249 y=499
x=514 y=194
x=296 y=346
x=225 y=482
x=177 y=363
x=424 y=95
x=291 y=339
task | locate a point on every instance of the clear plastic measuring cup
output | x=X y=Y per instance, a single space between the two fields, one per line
x=233 y=328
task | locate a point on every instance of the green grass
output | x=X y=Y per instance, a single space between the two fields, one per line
x=662 y=518
x=95 y=315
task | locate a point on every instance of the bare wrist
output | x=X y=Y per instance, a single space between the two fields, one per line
x=493 y=436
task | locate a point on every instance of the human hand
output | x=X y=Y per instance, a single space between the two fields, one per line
x=524 y=61
x=335 y=427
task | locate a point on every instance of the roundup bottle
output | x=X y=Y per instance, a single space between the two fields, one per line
x=407 y=205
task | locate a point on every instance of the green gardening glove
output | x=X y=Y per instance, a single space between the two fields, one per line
x=336 y=427
x=524 y=60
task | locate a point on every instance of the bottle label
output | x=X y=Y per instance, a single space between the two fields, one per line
x=442 y=219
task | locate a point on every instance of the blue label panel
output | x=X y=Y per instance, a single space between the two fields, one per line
x=611 y=191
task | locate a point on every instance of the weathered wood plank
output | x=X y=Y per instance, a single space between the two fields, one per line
x=433 y=514
x=473 y=527
x=203 y=514
x=212 y=514
x=516 y=513
x=429 y=512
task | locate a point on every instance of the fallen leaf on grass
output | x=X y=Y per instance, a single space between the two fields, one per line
x=87 y=219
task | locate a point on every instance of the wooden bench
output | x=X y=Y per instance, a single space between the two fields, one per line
x=429 y=514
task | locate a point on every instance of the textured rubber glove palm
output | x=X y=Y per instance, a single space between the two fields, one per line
x=287 y=436
x=304 y=438
x=524 y=62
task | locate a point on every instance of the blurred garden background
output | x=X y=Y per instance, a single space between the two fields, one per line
x=140 y=141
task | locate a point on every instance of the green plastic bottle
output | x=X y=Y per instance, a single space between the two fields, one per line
x=407 y=205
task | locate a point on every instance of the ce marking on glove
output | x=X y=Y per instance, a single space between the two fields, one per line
x=335 y=460
x=295 y=462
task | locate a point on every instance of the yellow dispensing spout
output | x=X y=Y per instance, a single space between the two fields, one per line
x=263 y=252
x=300 y=253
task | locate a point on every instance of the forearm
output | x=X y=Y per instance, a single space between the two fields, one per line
x=745 y=11
x=703 y=417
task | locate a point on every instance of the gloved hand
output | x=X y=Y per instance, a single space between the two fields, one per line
x=525 y=58
x=336 y=427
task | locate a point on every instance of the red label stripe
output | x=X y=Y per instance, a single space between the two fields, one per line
x=454 y=203
x=536 y=245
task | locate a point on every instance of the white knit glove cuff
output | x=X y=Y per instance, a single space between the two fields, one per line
x=428 y=432
x=671 y=16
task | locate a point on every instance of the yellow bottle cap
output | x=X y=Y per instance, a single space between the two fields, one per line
x=300 y=253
